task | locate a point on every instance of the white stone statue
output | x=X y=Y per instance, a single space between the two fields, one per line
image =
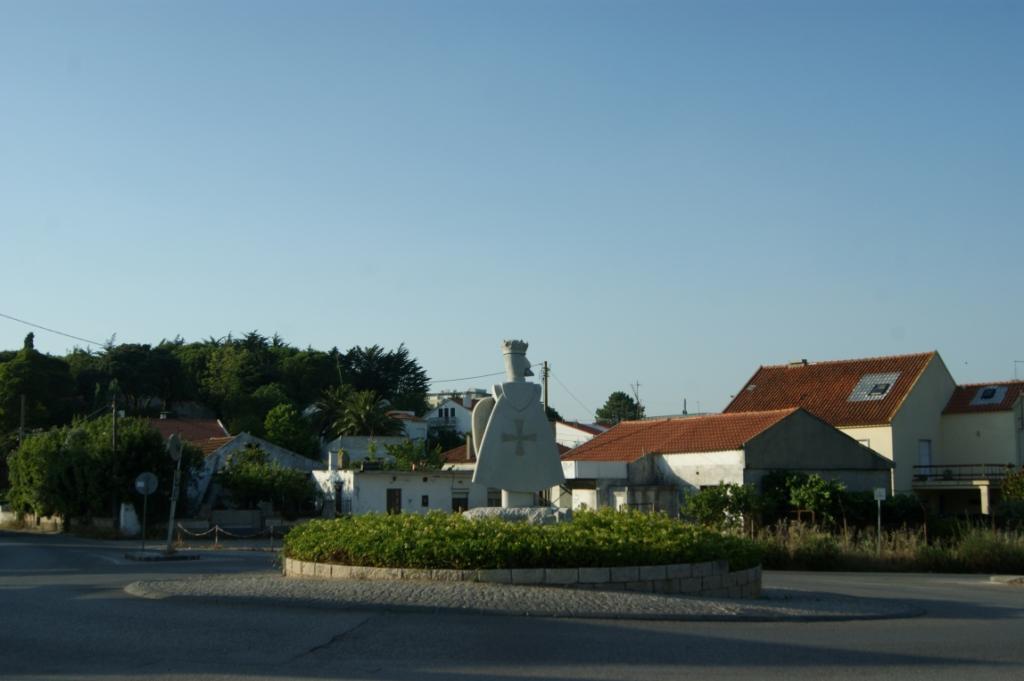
x=515 y=444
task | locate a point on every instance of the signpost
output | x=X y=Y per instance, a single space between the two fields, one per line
x=145 y=485
x=879 y=498
x=174 y=450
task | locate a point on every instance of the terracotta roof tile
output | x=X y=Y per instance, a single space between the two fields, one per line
x=825 y=388
x=190 y=430
x=212 y=444
x=630 y=440
x=964 y=395
x=458 y=455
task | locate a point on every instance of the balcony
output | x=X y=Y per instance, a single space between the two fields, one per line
x=958 y=474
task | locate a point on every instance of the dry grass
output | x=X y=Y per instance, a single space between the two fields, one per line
x=970 y=549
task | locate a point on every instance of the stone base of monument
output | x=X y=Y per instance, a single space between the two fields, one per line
x=536 y=515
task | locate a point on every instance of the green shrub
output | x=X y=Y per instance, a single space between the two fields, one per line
x=440 y=540
x=723 y=506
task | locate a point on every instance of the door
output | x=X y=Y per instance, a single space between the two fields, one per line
x=394 y=501
x=924 y=456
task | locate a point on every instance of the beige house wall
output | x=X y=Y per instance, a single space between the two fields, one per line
x=977 y=438
x=920 y=418
x=878 y=438
x=983 y=437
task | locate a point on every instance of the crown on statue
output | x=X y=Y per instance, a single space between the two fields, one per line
x=514 y=347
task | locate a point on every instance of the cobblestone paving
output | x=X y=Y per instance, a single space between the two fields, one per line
x=470 y=597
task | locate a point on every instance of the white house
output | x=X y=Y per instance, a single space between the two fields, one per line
x=574 y=434
x=455 y=413
x=357 y=492
x=415 y=427
x=649 y=464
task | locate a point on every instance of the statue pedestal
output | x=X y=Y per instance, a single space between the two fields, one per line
x=510 y=499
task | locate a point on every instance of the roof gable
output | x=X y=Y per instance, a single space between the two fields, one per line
x=984 y=397
x=855 y=392
x=630 y=440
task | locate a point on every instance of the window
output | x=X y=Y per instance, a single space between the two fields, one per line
x=425 y=500
x=990 y=394
x=460 y=502
x=872 y=387
x=879 y=389
x=493 y=497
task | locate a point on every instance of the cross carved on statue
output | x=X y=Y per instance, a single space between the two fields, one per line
x=519 y=438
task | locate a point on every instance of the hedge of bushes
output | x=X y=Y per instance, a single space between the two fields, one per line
x=449 y=541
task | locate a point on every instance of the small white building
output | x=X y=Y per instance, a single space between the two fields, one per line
x=574 y=434
x=455 y=413
x=354 y=449
x=387 y=491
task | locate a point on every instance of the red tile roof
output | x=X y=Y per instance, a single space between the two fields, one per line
x=630 y=440
x=960 y=401
x=458 y=455
x=190 y=430
x=211 y=445
x=824 y=388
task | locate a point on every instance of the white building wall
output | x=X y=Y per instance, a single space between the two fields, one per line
x=366 y=491
x=450 y=413
x=704 y=469
x=569 y=436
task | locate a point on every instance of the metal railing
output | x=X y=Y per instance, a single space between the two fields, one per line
x=961 y=472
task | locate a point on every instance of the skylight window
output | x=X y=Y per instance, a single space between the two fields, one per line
x=990 y=394
x=873 y=387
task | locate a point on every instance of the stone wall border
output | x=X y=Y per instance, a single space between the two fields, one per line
x=709 y=580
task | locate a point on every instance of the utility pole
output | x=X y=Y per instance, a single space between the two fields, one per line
x=115 y=520
x=544 y=378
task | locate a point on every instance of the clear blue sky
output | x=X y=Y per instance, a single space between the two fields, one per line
x=671 y=193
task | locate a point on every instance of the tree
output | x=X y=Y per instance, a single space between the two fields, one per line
x=1013 y=486
x=329 y=411
x=619 y=407
x=251 y=478
x=72 y=470
x=285 y=426
x=415 y=455
x=823 y=497
x=394 y=375
x=366 y=414
x=45 y=382
x=723 y=506
x=553 y=414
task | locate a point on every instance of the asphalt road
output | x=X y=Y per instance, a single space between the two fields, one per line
x=64 y=615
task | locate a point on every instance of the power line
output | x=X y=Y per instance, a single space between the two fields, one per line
x=564 y=387
x=44 y=328
x=470 y=378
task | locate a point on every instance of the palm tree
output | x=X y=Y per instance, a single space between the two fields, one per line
x=329 y=410
x=366 y=414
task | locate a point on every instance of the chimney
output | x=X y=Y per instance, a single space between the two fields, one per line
x=798 y=363
x=332 y=461
x=469 y=447
x=467 y=400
